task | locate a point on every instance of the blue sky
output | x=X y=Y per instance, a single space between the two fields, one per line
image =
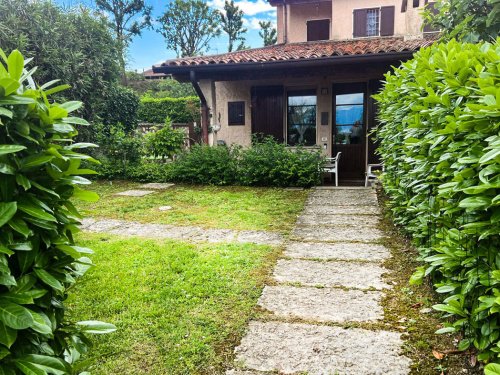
x=150 y=47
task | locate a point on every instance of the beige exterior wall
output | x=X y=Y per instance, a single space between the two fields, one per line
x=342 y=15
x=226 y=91
x=406 y=24
x=299 y=14
x=280 y=25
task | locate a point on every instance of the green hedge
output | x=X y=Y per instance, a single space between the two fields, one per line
x=40 y=174
x=440 y=142
x=180 y=110
x=264 y=164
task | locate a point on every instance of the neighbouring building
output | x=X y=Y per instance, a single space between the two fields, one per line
x=314 y=87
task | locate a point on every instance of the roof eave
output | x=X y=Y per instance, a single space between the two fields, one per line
x=178 y=70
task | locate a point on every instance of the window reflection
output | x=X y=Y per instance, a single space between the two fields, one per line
x=349 y=118
x=301 y=126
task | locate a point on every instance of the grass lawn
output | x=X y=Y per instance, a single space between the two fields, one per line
x=206 y=206
x=180 y=308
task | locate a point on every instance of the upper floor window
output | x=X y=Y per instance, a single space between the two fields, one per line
x=428 y=28
x=374 y=22
x=318 y=30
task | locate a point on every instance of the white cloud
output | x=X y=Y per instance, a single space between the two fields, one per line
x=249 y=8
x=252 y=23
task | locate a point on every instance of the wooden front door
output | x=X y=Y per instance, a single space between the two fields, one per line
x=349 y=129
x=267 y=111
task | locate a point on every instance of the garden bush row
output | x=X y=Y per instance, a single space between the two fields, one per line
x=179 y=110
x=266 y=163
x=440 y=142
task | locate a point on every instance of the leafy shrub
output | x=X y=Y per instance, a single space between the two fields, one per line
x=117 y=149
x=269 y=163
x=166 y=142
x=121 y=107
x=440 y=142
x=179 y=110
x=150 y=172
x=264 y=164
x=39 y=261
x=203 y=164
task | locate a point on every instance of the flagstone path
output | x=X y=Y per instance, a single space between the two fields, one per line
x=185 y=233
x=331 y=274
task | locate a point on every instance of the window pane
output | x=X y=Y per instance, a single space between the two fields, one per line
x=357 y=98
x=349 y=134
x=349 y=114
x=302 y=120
x=302 y=100
x=372 y=22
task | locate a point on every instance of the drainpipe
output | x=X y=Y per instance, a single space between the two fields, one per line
x=204 y=106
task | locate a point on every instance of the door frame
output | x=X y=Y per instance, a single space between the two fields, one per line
x=348 y=87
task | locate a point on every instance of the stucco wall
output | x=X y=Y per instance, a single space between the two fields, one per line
x=342 y=14
x=299 y=14
x=241 y=90
x=407 y=24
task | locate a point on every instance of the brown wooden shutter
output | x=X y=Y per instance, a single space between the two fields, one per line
x=434 y=10
x=236 y=113
x=387 y=20
x=318 y=30
x=360 y=16
x=404 y=6
x=268 y=111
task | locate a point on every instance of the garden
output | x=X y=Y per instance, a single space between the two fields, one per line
x=74 y=301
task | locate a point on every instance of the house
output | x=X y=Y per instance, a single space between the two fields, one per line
x=314 y=86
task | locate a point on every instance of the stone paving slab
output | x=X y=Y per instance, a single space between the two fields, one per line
x=156 y=186
x=339 y=251
x=340 y=210
x=330 y=274
x=135 y=193
x=341 y=220
x=194 y=234
x=336 y=234
x=341 y=202
x=261 y=237
x=292 y=348
x=322 y=305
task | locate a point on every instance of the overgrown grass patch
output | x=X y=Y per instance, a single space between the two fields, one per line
x=180 y=308
x=242 y=208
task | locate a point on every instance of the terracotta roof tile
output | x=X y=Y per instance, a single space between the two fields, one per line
x=305 y=50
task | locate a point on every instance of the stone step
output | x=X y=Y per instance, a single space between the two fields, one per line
x=330 y=274
x=341 y=220
x=322 y=305
x=338 y=251
x=336 y=234
x=292 y=348
x=322 y=209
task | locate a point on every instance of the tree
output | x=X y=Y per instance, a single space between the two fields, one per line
x=125 y=24
x=469 y=20
x=267 y=33
x=188 y=26
x=232 y=24
x=74 y=45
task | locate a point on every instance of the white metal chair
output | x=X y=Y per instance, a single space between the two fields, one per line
x=332 y=166
x=371 y=170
